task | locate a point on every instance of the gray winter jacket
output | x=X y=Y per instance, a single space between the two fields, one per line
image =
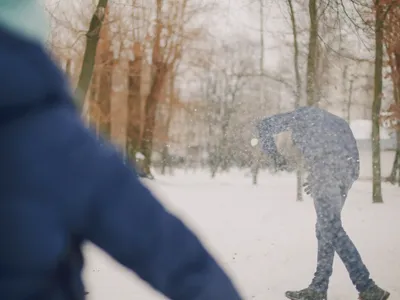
x=325 y=140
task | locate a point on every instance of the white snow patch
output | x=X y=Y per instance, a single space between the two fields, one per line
x=263 y=237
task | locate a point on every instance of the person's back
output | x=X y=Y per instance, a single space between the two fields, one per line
x=61 y=186
x=321 y=137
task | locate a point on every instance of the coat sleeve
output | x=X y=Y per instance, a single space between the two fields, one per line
x=271 y=126
x=128 y=222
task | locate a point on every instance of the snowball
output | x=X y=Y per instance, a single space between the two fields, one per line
x=139 y=156
x=254 y=142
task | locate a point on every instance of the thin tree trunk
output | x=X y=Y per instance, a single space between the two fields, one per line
x=349 y=101
x=134 y=103
x=312 y=53
x=255 y=166
x=88 y=111
x=164 y=159
x=395 y=68
x=160 y=71
x=376 y=107
x=89 y=56
x=214 y=170
x=150 y=110
x=165 y=156
x=299 y=171
x=395 y=173
x=104 y=96
x=398 y=157
x=68 y=69
x=344 y=90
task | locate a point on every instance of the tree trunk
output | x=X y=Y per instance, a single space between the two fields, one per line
x=349 y=101
x=299 y=164
x=68 y=69
x=312 y=53
x=89 y=111
x=376 y=107
x=395 y=68
x=150 y=113
x=134 y=104
x=165 y=157
x=398 y=158
x=256 y=155
x=395 y=173
x=214 y=169
x=104 y=96
x=394 y=176
x=160 y=69
x=254 y=172
x=89 y=56
x=344 y=89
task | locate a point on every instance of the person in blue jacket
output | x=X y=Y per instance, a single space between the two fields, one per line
x=330 y=152
x=62 y=186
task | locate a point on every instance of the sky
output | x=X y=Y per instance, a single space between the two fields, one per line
x=242 y=17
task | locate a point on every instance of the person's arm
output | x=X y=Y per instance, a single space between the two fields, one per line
x=271 y=126
x=120 y=215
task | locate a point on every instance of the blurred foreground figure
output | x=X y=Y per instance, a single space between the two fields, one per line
x=61 y=186
x=331 y=156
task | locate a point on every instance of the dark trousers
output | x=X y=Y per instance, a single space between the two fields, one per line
x=329 y=194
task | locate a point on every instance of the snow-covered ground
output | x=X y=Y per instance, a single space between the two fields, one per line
x=263 y=237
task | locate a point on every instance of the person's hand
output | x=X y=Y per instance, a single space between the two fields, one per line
x=307 y=188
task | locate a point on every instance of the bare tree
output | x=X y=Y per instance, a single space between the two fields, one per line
x=168 y=39
x=256 y=153
x=312 y=53
x=296 y=54
x=223 y=84
x=376 y=106
x=392 y=46
x=349 y=101
x=89 y=56
x=381 y=10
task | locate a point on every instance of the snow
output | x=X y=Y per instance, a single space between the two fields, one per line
x=139 y=156
x=262 y=236
x=254 y=142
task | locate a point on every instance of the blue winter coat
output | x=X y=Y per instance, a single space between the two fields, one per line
x=325 y=140
x=60 y=188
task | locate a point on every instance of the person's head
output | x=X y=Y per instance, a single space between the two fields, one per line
x=284 y=143
x=25 y=18
x=287 y=147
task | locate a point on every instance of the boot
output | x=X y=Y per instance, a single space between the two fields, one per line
x=306 y=294
x=374 y=293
